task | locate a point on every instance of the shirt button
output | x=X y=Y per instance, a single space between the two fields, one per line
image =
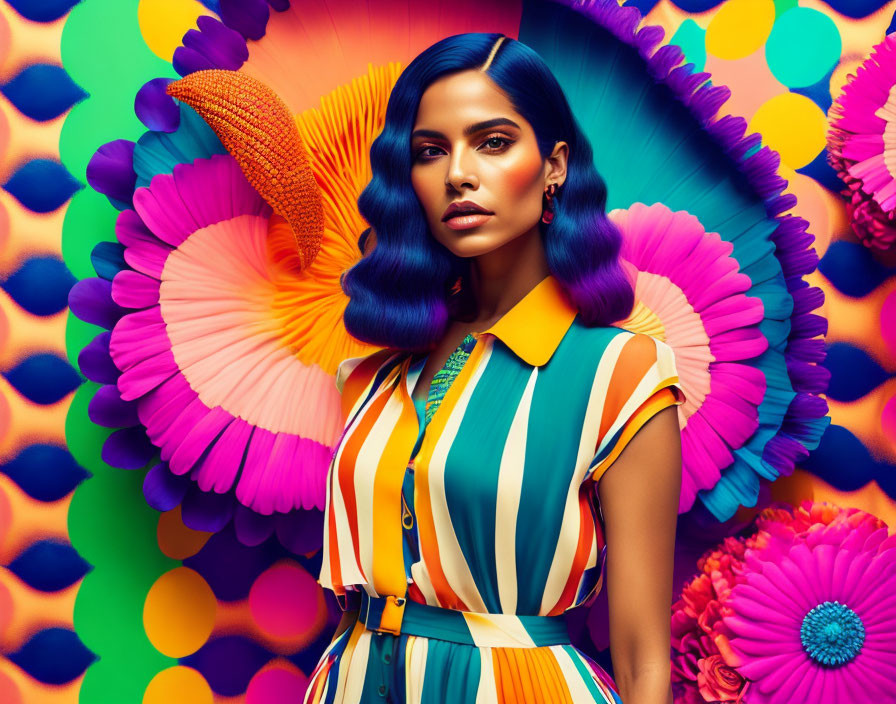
x=387 y=657
x=382 y=690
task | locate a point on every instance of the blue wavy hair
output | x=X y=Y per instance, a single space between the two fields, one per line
x=400 y=291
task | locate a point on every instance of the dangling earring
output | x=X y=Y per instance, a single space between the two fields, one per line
x=548 y=215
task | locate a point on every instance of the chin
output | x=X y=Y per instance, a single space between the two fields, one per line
x=471 y=243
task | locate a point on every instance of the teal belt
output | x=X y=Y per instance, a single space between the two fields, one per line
x=397 y=615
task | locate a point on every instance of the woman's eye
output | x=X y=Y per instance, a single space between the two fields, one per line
x=428 y=153
x=502 y=141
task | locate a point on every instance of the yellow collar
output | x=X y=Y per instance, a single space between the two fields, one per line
x=536 y=324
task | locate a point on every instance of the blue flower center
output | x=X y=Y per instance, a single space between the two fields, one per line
x=832 y=634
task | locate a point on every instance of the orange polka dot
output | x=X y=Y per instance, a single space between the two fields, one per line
x=178 y=684
x=175 y=539
x=179 y=612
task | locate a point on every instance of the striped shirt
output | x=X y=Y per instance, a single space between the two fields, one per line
x=491 y=507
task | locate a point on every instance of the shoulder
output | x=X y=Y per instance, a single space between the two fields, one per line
x=638 y=352
x=361 y=368
x=355 y=375
x=641 y=380
x=641 y=364
x=613 y=345
x=635 y=368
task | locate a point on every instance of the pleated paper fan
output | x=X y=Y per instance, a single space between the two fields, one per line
x=860 y=141
x=229 y=359
x=718 y=269
x=690 y=293
x=657 y=139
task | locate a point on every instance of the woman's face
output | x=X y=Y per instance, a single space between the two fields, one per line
x=469 y=144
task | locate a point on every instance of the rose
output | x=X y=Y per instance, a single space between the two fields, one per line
x=697 y=594
x=717 y=681
x=693 y=647
x=727 y=557
x=710 y=616
x=683 y=624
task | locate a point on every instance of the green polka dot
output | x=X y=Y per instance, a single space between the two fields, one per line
x=803 y=46
x=782 y=6
x=690 y=37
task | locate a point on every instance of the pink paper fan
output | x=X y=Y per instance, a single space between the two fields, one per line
x=860 y=138
x=217 y=386
x=690 y=294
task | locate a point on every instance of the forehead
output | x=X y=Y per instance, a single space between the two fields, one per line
x=456 y=100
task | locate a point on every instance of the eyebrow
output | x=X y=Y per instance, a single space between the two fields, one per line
x=469 y=129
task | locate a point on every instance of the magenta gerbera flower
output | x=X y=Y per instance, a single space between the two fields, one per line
x=814 y=619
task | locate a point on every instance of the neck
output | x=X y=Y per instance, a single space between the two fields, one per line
x=502 y=277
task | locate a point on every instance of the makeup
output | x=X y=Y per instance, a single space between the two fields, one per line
x=466 y=222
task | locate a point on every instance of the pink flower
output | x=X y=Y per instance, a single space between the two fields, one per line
x=697 y=594
x=683 y=623
x=710 y=616
x=860 y=138
x=817 y=622
x=811 y=516
x=667 y=255
x=718 y=682
x=695 y=646
x=801 y=609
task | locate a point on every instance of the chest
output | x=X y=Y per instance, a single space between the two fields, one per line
x=447 y=351
x=502 y=428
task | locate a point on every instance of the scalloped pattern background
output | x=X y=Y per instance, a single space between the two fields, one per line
x=99 y=594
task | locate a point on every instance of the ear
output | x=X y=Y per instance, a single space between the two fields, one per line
x=556 y=164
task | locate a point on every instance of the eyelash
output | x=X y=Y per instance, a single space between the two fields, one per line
x=507 y=143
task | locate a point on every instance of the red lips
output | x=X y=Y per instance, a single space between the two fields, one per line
x=464 y=206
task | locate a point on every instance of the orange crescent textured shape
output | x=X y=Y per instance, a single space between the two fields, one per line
x=259 y=131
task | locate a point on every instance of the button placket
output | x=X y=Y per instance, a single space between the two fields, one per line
x=386 y=644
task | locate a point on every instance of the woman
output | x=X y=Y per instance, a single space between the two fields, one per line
x=468 y=502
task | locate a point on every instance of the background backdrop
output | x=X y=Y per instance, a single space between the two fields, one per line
x=104 y=599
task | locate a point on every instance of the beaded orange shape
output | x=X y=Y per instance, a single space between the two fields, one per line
x=260 y=132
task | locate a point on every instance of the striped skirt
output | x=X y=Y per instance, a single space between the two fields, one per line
x=404 y=652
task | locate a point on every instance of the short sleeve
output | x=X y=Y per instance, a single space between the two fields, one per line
x=643 y=382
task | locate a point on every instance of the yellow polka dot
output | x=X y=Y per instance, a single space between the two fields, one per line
x=179 y=612
x=163 y=23
x=739 y=28
x=792 y=125
x=178 y=684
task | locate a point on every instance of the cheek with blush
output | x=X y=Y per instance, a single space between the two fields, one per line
x=521 y=186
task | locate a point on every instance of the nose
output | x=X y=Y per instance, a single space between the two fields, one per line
x=460 y=175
